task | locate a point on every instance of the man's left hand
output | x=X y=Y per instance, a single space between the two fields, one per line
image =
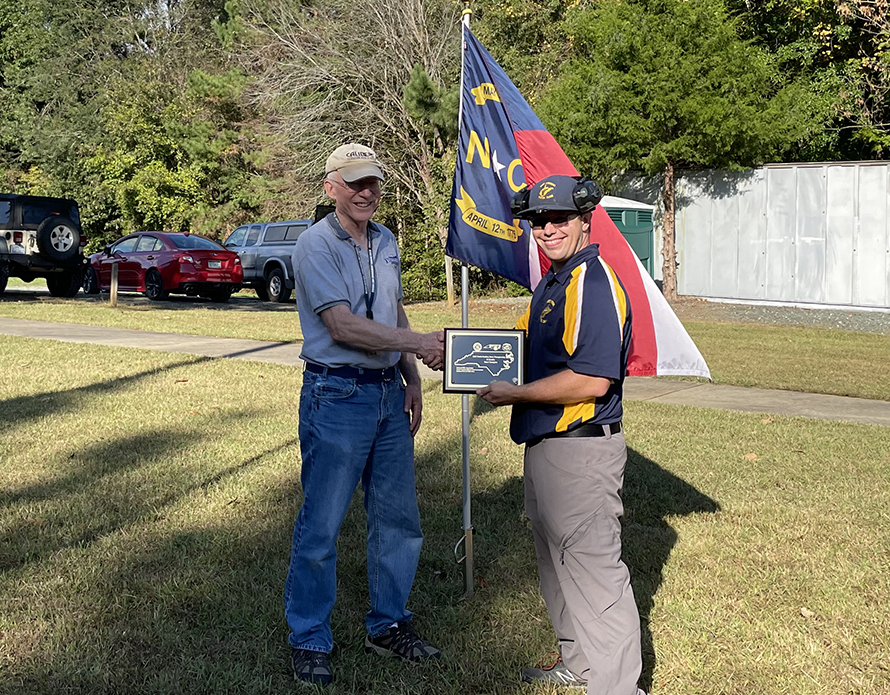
x=413 y=405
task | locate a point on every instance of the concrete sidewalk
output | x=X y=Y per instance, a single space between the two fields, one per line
x=701 y=395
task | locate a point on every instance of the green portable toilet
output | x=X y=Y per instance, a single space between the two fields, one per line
x=635 y=222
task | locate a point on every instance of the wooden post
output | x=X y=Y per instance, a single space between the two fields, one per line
x=114 y=271
x=449 y=281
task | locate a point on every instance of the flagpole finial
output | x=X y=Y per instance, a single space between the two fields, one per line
x=467 y=11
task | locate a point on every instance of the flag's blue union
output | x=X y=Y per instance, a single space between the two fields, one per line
x=489 y=171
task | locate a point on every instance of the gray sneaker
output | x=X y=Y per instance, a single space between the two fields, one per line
x=556 y=673
x=312 y=667
x=401 y=641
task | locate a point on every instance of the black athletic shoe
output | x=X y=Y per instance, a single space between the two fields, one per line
x=312 y=667
x=402 y=641
x=556 y=673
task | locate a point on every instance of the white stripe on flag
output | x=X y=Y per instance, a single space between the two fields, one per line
x=671 y=338
x=534 y=264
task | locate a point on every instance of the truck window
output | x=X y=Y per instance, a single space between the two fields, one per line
x=253 y=235
x=35 y=214
x=5 y=211
x=236 y=238
x=275 y=233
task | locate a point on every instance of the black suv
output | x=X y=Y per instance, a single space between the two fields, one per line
x=41 y=237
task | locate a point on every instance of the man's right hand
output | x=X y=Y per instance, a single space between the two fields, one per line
x=432 y=349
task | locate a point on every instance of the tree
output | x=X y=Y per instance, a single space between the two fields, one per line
x=831 y=42
x=874 y=59
x=131 y=109
x=379 y=72
x=661 y=84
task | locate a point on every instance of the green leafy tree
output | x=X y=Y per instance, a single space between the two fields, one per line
x=131 y=109
x=526 y=36
x=176 y=155
x=661 y=84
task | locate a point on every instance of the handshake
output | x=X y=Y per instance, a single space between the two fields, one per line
x=431 y=350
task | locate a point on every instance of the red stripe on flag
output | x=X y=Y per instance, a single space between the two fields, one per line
x=643 y=357
x=541 y=156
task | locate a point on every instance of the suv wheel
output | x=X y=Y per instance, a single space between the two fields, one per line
x=4 y=276
x=90 y=281
x=64 y=284
x=275 y=286
x=154 y=286
x=58 y=238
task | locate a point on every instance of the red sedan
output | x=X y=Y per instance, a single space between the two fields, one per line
x=158 y=263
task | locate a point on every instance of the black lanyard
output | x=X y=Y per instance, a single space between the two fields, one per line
x=372 y=293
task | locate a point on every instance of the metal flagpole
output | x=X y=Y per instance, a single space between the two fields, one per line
x=467 y=539
x=465 y=441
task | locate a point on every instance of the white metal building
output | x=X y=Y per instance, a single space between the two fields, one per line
x=810 y=234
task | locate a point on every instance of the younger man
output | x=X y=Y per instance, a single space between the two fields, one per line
x=568 y=415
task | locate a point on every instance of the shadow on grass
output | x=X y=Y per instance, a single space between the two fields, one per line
x=86 y=504
x=16 y=411
x=199 y=609
x=653 y=495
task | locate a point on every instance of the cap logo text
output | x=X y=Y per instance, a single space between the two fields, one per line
x=546 y=191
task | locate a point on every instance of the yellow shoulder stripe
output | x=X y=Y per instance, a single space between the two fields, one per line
x=573 y=308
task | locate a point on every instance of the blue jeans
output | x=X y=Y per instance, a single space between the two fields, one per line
x=352 y=432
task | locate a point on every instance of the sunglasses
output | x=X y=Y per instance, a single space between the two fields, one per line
x=557 y=220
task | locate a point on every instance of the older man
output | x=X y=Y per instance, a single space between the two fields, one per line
x=568 y=415
x=360 y=406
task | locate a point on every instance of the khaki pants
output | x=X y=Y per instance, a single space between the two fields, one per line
x=572 y=498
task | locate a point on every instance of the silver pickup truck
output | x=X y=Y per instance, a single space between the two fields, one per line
x=265 y=249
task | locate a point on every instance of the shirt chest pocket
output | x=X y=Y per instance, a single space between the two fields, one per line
x=388 y=275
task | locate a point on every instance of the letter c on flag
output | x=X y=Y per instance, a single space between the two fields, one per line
x=515 y=163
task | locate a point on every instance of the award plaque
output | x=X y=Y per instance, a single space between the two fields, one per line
x=476 y=357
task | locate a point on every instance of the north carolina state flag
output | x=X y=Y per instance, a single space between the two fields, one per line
x=503 y=146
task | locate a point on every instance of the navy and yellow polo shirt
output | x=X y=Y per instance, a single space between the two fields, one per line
x=578 y=319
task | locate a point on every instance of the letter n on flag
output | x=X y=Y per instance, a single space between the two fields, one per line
x=503 y=146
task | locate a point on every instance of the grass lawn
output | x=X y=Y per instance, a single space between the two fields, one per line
x=817 y=360
x=147 y=502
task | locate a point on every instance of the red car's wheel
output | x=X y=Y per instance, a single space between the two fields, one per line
x=154 y=286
